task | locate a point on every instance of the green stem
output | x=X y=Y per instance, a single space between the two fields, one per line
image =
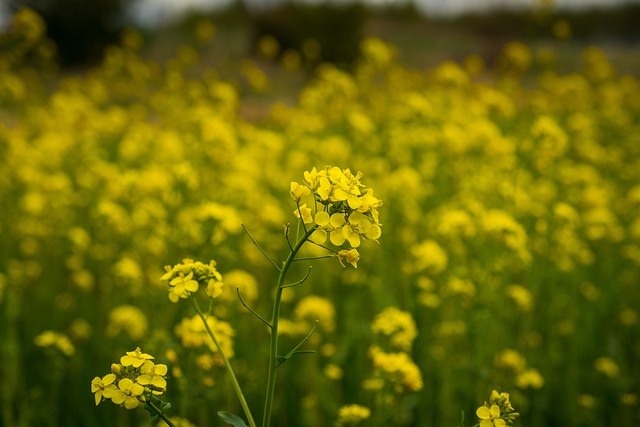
x=273 y=349
x=227 y=364
x=160 y=414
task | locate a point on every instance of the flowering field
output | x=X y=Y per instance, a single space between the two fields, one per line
x=503 y=253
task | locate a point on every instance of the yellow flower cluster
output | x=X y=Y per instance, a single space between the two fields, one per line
x=525 y=376
x=132 y=381
x=397 y=368
x=397 y=326
x=185 y=278
x=345 y=210
x=351 y=415
x=192 y=333
x=56 y=340
x=497 y=412
x=127 y=319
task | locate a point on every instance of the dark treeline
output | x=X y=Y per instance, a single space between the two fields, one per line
x=82 y=29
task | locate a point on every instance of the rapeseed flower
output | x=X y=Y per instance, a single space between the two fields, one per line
x=352 y=414
x=135 y=380
x=314 y=308
x=187 y=277
x=490 y=416
x=135 y=358
x=56 y=340
x=128 y=319
x=346 y=211
x=98 y=386
x=396 y=325
x=126 y=394
x=497 y=412
x=396 y=368
x=351 y=256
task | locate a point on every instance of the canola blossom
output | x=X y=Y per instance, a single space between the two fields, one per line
x=186 y=278
x=497 y=412
x=345 y=210
x=132 y=381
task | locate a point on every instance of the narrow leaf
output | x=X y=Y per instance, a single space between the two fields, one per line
x=231 y=419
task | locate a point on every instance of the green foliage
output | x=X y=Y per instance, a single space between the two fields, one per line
x=231 y=419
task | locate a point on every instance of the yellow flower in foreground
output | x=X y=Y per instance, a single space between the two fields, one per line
x=306 y=213
x=126 y=394
x=180 y=287
x=99 y=385
x=298 y=191
x=351 y=256
x=490 y=416
x=135 y=358
x=214 y=288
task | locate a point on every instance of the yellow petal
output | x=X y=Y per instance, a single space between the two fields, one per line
x=483 y=413
x=495 y=411
x=322 y=218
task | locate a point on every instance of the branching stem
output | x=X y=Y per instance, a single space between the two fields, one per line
x=273 y=348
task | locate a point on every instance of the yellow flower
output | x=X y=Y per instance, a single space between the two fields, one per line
x=126 y=394
x=135 y=358
x=180 y=287
x=351 y=256
x=187 y=276
x=397 y=325
x=306 y=213
x=352 y=414
x=129 y=319
x=315 y=308
x=329 y=226
x=490 y=416
x=57 y=340
x=298 y=191
x=99 y=385
x=153 y=375
x=214 y=288
x=397 y=368
x=530 y=378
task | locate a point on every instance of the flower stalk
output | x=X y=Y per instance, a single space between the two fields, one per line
x=273 y=347
x=227 y=364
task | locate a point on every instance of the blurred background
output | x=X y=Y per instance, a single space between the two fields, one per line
x=425 y=31
x=503 y=137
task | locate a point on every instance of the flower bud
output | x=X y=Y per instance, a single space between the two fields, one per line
x=116 y=369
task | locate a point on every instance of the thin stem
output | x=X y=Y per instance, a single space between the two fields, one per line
x=301 y=218
x=309 y=258
x=299 y=282
x=227 y=364
x=286 y=235
x=324 y=247
x=250 y=309
x=160 y=413
x=259 y=247
x=273 y=348
x=304 y=340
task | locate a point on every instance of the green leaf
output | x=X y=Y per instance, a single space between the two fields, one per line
x=231 y=419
